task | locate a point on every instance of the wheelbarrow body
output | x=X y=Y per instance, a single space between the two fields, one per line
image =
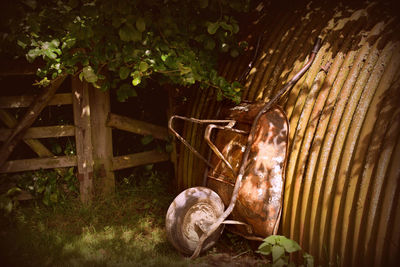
x=246 y=175
x=259 y=201
x=258 y=206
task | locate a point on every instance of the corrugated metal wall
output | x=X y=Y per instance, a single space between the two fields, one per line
x=341 y=200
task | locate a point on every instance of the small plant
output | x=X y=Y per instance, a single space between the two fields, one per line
x=52 y=187
x=280 y=247
x=7 y=201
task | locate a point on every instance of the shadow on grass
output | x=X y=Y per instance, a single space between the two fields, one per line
x=127 y=229
x=124 y=230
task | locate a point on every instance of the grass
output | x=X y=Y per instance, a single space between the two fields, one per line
x=126 y=229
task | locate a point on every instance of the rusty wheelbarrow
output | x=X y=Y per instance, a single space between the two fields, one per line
x=246 y=174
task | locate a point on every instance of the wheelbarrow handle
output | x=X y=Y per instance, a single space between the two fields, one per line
x=214 y=148
x=229 y=125
x=246 y=153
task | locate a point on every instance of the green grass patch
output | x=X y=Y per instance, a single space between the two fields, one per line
x=126 y=229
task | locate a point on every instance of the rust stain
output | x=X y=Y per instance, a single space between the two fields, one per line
x=260 y=196
x=341 y=199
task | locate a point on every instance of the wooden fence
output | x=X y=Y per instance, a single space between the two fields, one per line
x=92 y=129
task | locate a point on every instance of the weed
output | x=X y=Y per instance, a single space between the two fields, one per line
x=126 y=229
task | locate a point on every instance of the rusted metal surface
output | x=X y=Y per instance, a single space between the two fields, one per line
x=262 y=155
x=341 y=199
x=259 y=199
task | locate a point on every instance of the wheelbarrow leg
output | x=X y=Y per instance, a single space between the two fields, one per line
x=220 y=219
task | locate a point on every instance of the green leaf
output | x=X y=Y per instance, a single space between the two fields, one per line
x=210 y=44
x=57 y=149
x=13 y=190
x=21 y=44
x=277 y=252
x=280 y=263
x=212 y=27
x=136 y=81
x=289 y=245
x=235 y=28
x=265 y=249
x=55 y=42
x=143 y=66
x=32 y=54
x=147 y=139
x=117 y=21
x=40 y=189
x=125 y=91
x=308 y=259
x=124 y=72
x=271 y=239
x=89 y=75
x=226 y=26
x=224 y=47
x=140 y=24
x=184 y=69
x=164 y=57
x=54 y=198
x=136 y=78
x=45 y=200
x=129 y=33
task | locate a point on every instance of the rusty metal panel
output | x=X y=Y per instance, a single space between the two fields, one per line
x=341 y=200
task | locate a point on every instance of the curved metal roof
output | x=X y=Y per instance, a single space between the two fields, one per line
x=341 y=200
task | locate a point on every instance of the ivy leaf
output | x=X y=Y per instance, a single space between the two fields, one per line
x=117 y=21
x=212 y=27
x=136 y=78
x=21 y=44
x=140 y=24
x=136 y=81
x=210 y=44
x=143 y=66
x=54 y=198
x=277 y=252
x=129 y=33
x=89 y=75
x=164 y=57
x=235 y=28
x=125 y=91
x=32 y=54
x=226 y=26
x=183 y=69
x=55 y=43
x=124 y=72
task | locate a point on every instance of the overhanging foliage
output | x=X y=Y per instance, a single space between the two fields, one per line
x=176 y=42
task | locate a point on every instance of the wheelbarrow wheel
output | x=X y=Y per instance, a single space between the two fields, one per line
x=189 y=215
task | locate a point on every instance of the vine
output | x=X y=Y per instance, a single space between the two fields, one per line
x=121 y=44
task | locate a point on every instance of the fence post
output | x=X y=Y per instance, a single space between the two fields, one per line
x=101 y=140
x=83 y=138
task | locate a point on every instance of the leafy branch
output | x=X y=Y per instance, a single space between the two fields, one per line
x=176 y=41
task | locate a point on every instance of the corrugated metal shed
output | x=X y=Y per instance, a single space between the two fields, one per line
x=341 y=200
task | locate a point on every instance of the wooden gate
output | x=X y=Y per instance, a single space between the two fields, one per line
x=92 y=129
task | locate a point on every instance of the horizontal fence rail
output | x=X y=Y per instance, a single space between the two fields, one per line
x=24 y=101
